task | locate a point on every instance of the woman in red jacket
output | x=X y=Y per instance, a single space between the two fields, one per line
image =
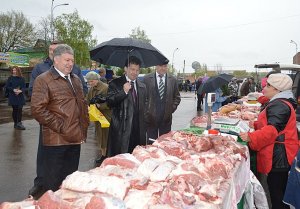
x=275 y=137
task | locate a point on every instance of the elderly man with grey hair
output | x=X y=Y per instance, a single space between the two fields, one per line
x=58 y=104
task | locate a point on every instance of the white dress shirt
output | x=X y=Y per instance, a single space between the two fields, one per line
x=158 y=79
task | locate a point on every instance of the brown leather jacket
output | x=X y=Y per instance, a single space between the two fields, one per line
x=62 y=113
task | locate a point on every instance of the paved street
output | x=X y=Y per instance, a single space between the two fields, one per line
x=18 y=149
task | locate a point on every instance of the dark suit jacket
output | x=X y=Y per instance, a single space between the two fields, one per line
x=122 y=114
x=170 y=100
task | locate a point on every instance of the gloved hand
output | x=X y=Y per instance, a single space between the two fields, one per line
x=98 y=99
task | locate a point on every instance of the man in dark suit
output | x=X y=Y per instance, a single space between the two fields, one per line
x=163 y=98
x=127 y=98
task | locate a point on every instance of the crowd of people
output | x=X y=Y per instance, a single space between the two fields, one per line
x=234 y=90
x=139 y=112
x=275 y=136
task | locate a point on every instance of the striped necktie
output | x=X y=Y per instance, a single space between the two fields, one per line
x=161 y=87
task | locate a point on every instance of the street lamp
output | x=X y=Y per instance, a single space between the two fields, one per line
x=51 y=17
x=173 y=59
x=293 y=42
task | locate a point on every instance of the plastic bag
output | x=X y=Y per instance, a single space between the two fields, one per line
x=6 y=92
x=96 y=115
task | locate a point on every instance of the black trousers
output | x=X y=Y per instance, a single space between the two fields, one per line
x=58 y=163
x=277 y=183
x=199 y=101
x=38 y=181
x=155 y=132
x=135 y=132
x=17 y=113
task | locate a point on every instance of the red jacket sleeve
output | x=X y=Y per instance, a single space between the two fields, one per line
x=262 y=100
x=262 y=137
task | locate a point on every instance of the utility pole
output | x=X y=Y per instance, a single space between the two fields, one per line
x=51 y=17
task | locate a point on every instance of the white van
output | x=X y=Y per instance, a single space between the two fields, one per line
x=294 y=71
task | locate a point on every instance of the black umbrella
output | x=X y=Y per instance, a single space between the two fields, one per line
x=116 y=51
x=214 y=83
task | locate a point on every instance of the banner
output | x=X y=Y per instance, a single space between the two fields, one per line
x=4 y=57
x=18 y=59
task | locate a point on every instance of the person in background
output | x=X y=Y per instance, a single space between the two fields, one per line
x=15 y=86
x=97 y=91
x=252 y=85
x=102 y=73
x=40 y=68
x=163 y=98
x=233 y=89
x=127 y=98
x=218 y=103
x=248 y=86
x=94 y=66
x=58 y=104
x=200 y=96
x=275 y=137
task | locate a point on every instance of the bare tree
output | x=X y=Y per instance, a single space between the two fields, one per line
x=15 y=31
x=43 y=29
x=219 y=68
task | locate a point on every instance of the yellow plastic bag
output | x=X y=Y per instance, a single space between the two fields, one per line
x=96 y=115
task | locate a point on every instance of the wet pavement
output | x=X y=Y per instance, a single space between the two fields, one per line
x=18 y=148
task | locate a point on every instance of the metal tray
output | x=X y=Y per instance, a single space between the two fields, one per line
x=229 y=121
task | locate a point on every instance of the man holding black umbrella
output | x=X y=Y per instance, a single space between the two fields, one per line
x=127 y=98
x=163 y=99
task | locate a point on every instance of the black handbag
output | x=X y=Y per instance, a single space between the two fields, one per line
x=6 y=92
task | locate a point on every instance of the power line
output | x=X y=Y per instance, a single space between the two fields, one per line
x=228 y=26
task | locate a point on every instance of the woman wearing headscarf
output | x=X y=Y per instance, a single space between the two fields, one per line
x=97 y=90
x=275 y=137
x=15 y=86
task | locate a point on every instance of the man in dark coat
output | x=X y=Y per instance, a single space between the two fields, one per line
x=163 y=98
x=247 y=87
x=127 y=98
x=40 y=68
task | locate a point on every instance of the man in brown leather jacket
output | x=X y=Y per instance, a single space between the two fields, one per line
x=58 y=104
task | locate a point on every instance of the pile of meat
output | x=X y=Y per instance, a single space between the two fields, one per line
x=179 y=170
x=243 y=112
x=200 y=121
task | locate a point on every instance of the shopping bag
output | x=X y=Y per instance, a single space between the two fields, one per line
x=96 y=115
x=6 y=92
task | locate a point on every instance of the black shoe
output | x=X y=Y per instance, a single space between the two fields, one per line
x=19 y=126
x=35 y=191
x=99 y=160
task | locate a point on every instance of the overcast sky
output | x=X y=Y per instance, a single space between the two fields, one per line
x=236 y=34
